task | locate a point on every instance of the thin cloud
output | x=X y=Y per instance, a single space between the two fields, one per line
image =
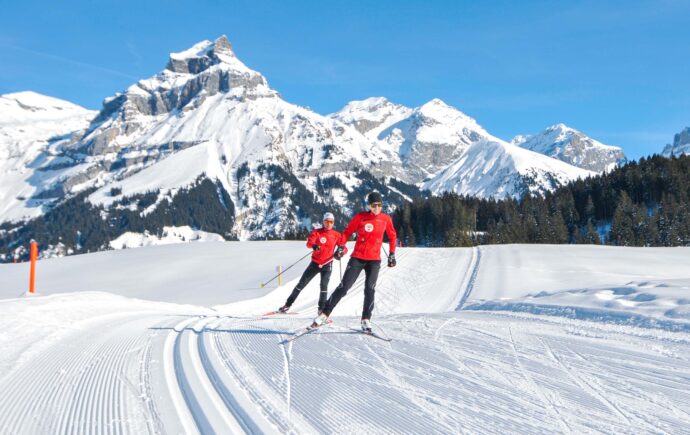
x=134 y=52
x=70 y=61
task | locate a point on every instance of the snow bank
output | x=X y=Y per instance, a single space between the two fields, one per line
x=170 y=235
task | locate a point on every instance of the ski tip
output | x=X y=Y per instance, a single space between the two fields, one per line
x=275 y=313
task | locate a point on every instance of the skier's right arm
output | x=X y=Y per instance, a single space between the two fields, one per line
x=311 y=240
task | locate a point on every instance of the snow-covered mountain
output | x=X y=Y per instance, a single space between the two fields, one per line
x=424 y=139
x=494 y=168
x=208 y=115
x=30 y=125
x=208 y=143
x=680 y=146
x=571 y=146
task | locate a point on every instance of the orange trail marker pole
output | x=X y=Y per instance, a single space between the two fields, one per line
x=32 y=278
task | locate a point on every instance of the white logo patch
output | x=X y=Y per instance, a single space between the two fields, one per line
x=323 y=240
x=369 y=228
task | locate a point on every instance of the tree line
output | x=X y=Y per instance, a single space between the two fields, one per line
x=643 y=203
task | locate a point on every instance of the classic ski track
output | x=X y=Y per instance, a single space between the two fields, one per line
x=537 y=389
x=226 y=386
x=154 y=422
x=247 y=373
x=88 y=395
x=206 y=406
x=471 y=276
x=287 y=356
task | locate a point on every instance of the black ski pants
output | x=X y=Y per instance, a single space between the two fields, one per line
x=354 y=268
x=310 y=272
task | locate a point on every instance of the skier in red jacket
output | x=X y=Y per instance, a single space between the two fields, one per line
x=369 y=227
x=322 y=241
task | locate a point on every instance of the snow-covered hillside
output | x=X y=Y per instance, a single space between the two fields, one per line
x=499 y=169
x=493 y=339
x=680 y=146
x=30 y=124
x=573 y=147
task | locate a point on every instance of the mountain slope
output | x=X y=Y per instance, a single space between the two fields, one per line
x=500 y=170
x=30 y=125
x=571 y=146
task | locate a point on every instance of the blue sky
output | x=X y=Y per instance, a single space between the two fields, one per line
x=618 y=71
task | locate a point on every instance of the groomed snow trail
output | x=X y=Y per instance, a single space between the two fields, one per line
x=467 y=372
x=149 y=368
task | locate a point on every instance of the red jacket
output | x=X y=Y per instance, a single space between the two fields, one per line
x=326 y=239
x=369 y=229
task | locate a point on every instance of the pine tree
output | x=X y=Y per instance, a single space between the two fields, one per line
x=622 y=227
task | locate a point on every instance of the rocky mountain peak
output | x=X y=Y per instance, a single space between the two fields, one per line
x=223 y=46
x=572 y=146
x=681 y=144
x=203 y=55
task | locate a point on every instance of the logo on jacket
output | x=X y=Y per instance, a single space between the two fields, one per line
x=323 y=240
x=369 y=228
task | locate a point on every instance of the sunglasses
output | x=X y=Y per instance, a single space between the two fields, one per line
x=328 y=221
x=375 y=204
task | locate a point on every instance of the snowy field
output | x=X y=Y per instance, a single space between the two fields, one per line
x=495 y=339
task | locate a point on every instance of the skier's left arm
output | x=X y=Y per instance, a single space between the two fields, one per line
x=338 y=238
x=392 y=241
x=392 y=235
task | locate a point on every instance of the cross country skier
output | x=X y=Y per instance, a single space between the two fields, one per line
x=369 y=227
x=322 y=241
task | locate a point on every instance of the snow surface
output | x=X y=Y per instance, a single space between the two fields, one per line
x=493 y=339
x=170 y=235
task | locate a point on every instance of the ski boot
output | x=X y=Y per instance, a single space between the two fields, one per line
x=320 y=320
x=366 y=326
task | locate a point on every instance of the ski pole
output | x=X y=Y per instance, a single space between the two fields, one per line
x=263 y=284
x=384 y=251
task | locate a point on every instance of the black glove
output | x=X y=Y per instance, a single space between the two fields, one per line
x=339 y=253
x=316 y=248
x=391 y=260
